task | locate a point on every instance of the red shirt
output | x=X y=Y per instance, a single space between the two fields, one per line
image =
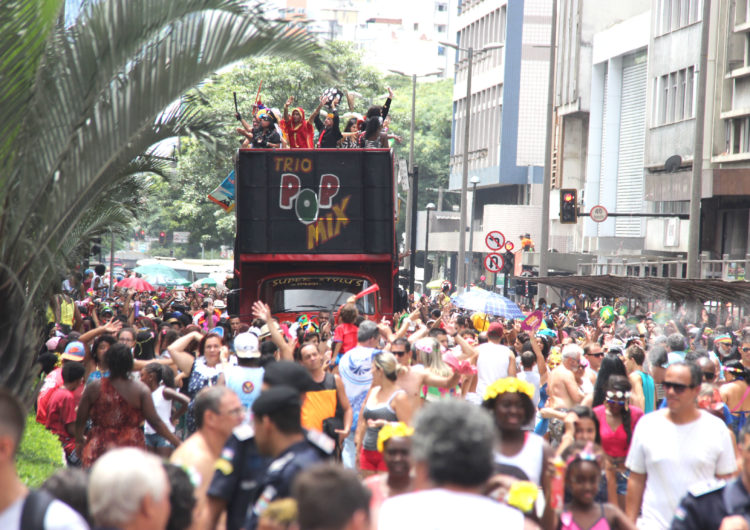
x=615 y=444
x=61 y=410
x=51 y=382
x=346 y=334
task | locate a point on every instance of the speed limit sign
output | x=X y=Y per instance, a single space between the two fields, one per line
x=598 y=214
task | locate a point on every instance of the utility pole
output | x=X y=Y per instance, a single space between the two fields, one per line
x=547 y=183
x=696 y=181
x=465 y=180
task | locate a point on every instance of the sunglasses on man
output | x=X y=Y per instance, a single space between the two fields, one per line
x=678 y=388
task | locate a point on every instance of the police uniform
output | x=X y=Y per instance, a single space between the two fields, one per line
x=277 y=483
x=707 y=503
x=313 y=448
x=239 y=471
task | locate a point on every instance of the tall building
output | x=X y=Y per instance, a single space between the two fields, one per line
x=393 y=34
x=507 y=125
x=600 y=79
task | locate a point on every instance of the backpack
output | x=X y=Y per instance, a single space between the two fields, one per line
x=34 y=509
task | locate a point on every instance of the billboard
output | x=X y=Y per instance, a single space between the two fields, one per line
x=326 y=201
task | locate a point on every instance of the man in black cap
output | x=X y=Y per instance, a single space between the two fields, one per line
x=279 y=434
x=240 y=469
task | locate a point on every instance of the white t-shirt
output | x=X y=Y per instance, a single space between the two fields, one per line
x=492 y=364
x=533 y=378
x=59 y=516
x=675 y=457
x=441 y=509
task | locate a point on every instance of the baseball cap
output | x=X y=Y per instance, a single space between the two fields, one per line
x=496 y=328
x=246 y=346
x=74 y=352
x=52 y=343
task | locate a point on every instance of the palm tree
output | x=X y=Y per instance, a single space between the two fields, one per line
x=79 y=107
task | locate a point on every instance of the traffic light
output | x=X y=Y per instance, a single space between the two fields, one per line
x=568 y=206
x=162 y=238
x=509 y=259
x=143 y=235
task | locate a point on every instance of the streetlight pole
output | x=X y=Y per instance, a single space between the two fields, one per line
x=429 y=209
x=474 y=182
x=465 y=169
x=696 y=180
x=547 y=182
x=412 y=192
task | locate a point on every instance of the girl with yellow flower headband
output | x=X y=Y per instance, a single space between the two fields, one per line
x=510 y=402
x=394 y=442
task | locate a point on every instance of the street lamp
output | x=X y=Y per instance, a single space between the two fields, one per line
x=465 y=173
x=429 y=208
x=412 y=194
x=474 y=182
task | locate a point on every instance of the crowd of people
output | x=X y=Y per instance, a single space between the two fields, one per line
x=270 y=128
x=181 y=415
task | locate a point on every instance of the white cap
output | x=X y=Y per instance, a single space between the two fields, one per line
x=246 y=346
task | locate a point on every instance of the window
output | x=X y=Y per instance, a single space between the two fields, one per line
x=416 y=26
x=441 y=51
x=740 y=136
x=441 y=28
x=503 y=20
x=675 y=14
x=440 y=6
x=673 y=96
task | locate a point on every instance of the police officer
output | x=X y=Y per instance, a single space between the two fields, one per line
x=279 y=434
x=241 y=467
x=707 y=505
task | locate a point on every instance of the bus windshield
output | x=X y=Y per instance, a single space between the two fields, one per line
x=295 y=294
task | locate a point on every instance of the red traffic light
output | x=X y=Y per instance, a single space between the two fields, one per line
x=509 y=245
x=143 y=232
x=162 y=234
x=568 y=197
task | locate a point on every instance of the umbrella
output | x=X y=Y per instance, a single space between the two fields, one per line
x=205 y=282
x=488 y=302
x=139 y=284
x=435 y=284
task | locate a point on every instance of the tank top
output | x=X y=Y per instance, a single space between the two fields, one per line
x=568 y=523
x=245 y=381
x=320 y=403
x=381 y=411
x=163 y=408
x=528 y=459
x=67 y=311
x=649 y=389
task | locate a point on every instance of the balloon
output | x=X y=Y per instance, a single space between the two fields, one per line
x=480 y=321
x=607 y=314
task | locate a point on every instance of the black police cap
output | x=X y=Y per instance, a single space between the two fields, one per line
x=290 y=374
x=274 y=399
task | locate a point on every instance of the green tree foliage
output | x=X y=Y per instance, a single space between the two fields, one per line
x=180 y=203
x=79 y=109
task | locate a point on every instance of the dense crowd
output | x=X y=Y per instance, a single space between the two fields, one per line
x=172 y=413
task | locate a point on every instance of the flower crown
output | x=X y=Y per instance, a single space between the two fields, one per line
x=619 y=394
x=508 y=384
x=393 y=430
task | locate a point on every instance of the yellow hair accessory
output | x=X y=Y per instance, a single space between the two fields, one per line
x=393 y=430
x=508 y=384
x=522 y=495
